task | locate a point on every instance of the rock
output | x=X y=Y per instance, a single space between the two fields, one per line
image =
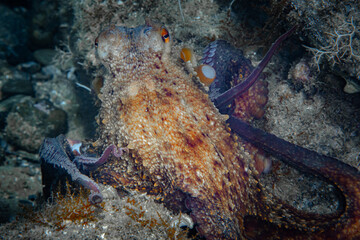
x=29 y=67
x=59 y=91
x=44 y=56
x=8 y=210
x=39 y=76
x=5 y=107
x=51 y=71
x=16 y=82
x=30 y=120
x=352 y=86
x=17 y=184
x=47 y=73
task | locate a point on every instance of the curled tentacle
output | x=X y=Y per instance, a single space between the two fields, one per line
x=89 y=163
x=341 y=175
x=58 y=162
x=95 y=196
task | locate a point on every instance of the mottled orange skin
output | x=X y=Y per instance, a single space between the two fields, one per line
x=179 y=143
x=178 y=138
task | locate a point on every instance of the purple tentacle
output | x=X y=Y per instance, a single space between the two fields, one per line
x=95 y=196
x=118 y=152
x=53 y=154
x=340 y=174
x=226 y=97
x=295 y=155
x=88 y=163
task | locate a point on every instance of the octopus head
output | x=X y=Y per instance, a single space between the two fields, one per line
x=153 y=37
x=126 y=44
x=113 y=43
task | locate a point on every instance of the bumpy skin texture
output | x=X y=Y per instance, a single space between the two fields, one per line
x=179 y=139
x=181 y=148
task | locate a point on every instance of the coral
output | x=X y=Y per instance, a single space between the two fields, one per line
x=73 y=216
x=301 y=77
x=65 y=209
x=172 y=229
x=341 y=47
x=64 y=57
x=330 y=32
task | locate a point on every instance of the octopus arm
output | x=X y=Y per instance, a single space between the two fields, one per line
x=345 y=222
x=226 y=97
x=88 y=163
x=57 y=165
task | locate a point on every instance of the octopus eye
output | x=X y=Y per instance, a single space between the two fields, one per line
x=165 y=35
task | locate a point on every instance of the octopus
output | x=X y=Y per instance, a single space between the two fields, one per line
x=195 y=153
x=61 y=157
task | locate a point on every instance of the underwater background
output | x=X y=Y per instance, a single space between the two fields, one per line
x=49 y=81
